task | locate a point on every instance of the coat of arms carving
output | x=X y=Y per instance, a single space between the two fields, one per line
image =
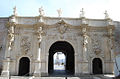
x=62 y=26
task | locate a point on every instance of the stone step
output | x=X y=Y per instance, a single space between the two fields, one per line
x=32 y=77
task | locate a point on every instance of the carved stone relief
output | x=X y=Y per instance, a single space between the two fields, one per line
x=25 y=44
x=62 y=27
x=96 y=44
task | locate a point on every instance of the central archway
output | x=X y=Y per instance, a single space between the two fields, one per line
x=67 y=49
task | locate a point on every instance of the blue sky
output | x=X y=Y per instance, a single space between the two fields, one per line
x=70 y=8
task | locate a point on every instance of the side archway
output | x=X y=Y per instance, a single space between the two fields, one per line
x=68 y=50
x=24 y=66
x=97 y=66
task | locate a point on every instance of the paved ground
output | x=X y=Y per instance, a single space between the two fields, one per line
x=81 y=77
x=59 y=67
x=60 y=73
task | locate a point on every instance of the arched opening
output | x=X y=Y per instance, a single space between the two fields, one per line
x=24 y=66
x=67 y=49
x=97 y=66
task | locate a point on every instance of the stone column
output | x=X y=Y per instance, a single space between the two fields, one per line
x=9 y=47
x=6 y=66
x=37 y=71
x=85 y=63
x=76 y=64
x=111 y=41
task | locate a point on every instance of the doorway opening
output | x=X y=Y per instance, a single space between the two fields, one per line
x=65 y=49
x=97 y=66
x=24 y=66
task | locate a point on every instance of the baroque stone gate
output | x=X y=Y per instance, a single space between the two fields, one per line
x=32 y=41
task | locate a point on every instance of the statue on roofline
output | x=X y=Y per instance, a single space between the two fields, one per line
x=106 y=15
x=41 y=11
x=82 y=13
x=59 y=12
x=15 y=11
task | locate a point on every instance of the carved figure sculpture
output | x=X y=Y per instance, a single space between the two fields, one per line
x=59 y=12
x=40 y=31
x=10 y=37
x=41 y=11
x=82 y=13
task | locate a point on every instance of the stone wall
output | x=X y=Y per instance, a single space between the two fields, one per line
x=3 y=35
x=117 y=38
x=26 y=42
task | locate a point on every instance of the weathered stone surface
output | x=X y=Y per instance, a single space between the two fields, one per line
x=95 y=39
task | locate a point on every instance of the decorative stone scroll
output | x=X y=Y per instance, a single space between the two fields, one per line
x=25 y=44
x=62 y=26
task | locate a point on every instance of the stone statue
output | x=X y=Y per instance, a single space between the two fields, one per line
x=85 y=43
x=82 y=13
x=10 y=37
x=59 y=12
x=15 y=11
x=41 y=11
x=40 y=31
x=106 y=15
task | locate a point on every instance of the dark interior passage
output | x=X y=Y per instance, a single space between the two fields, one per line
x=24 y=65
x=97 y=66
x=67 y=49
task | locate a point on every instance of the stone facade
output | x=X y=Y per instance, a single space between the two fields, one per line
x=32 y=38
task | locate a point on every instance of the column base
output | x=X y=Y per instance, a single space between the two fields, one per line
x=44 y=74
x=37 y=74
x=5 y=73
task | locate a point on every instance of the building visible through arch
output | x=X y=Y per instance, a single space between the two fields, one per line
x=59 y=60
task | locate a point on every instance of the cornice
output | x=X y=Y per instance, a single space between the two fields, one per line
x=43 y=25
x=69 y=18
x=111 y=27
